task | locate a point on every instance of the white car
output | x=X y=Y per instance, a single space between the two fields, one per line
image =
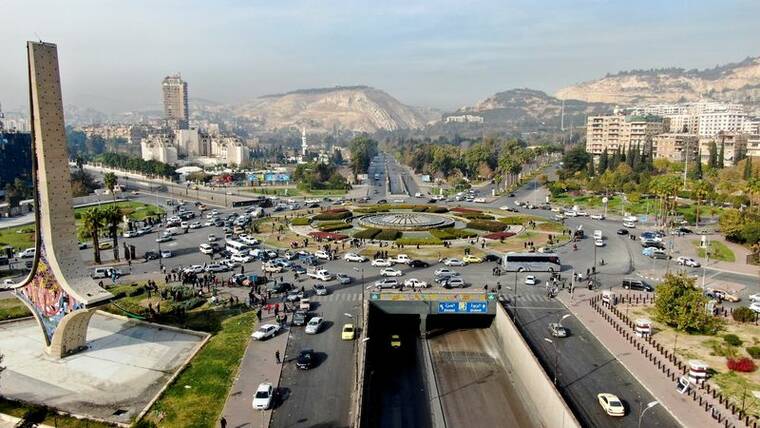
x=382 y=263
x=242 y=258
x=262 y=398
x=582 y=213
x=754 y=297
x=211 y=238
x=453 y=262
x=687 y=261
x=322 y=255
x=401 y=258
x=755 y=306
x=195 y=225
x=208 y=223
x=444 y=271
x=314 y=325
x=266 y=331
x=629 y=224
x=193 y=269
x=571 y=213
x=415 y=283
x=353 y=257
x=479 y=200
x=505 y=208
x=206 y=249
x=596 y=217
x=29 y=252
x=531 y=280
x=165 y=254
x=599 y=242
x=391 y=272
x=418 y=195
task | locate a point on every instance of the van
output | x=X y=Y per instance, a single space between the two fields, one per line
x=175 y=231
x=598 y=234
x=104 y=272
x=636 y=284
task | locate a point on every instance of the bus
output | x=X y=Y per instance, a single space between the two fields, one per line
x=236 y=247
x=532 y=262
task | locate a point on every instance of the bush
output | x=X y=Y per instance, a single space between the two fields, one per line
x=419 y=241
x=300 y=221
x=388 y=235
x=331 y=227
x=476 y=216
x=366 y=233
x=513 y=220
x=754 y=351
x=437 y=210
x=119 y=295
x=491 y=226
x=732 y=340
x=452 y=233
x=744 y=365
x=743 y=314
x=191 y=303
x=137 y=291
x=340 y=214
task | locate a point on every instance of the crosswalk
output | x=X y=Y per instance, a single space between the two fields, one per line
x=357 y=297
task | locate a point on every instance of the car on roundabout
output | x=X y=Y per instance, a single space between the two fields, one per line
x=688 y=261
x=454 y=282
x=754 y=297
x=386 y=283
x=382 y=263
x=294 y=296
x=164 y=238
x=453 y=262
x=263 y=397
x=622 y=231
x=596 y=217
x=755 y=306
x=391 y=272
x=322 y=255
x=469 y=259
x=165 y=254
x=343 y=278
x=320 y=289
x=599 y=242
x=419 y=264
x=266 y=331
x=611 y=404
x=353 y=257
x=531 y=280
x=415 y=283
x=299 y=318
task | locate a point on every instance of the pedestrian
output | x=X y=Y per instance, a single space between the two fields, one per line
x=223 y=422
x=277 y=356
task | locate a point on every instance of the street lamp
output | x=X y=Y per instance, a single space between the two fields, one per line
x=556 y=358
x=649 y=406
x=563 y=318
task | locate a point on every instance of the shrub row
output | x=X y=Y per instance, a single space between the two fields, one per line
x=371 y=210
x=476 y=216
x=331 y=227
x=452 y=233
x=754 y=351
x=366 y=233
x=513 y=220
x=744 y=365
x=414 y=207
x=333 y=215
x=430 y=209
x=300 y=221
x=191 y=303
x=491 y=226
x=137 y=291
x=388 y=235
x=743 y=314
x=419 y=241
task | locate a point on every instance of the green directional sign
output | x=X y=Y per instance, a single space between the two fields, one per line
x=491 y=296
x=374 y=296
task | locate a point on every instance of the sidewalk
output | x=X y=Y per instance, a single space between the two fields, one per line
x=257 y=366
x=685 y=410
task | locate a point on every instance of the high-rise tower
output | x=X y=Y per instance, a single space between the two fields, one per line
x=176 y=110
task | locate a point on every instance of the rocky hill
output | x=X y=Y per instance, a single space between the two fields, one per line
x=736 y=82
x=529 y=109
x=353 y=108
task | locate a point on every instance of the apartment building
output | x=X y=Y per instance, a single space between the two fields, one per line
x=617 y=131
x=176 y=111
x=733 y=143
x=675 y=147
x=753 y=145
x=159 y=147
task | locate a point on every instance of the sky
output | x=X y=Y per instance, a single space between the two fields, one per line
x=442 y=54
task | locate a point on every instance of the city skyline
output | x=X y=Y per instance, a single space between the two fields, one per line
x=442 y=55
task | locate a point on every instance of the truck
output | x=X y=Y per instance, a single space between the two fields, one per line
x=598 y=234
x=319 y=274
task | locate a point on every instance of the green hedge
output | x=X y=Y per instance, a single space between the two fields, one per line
x=371 y=210
x=515 y=220
x=334 y=226
x=452 y=233
x=491 y=226
x=476 y=216
x=366 y=233
x=754 y=352
x=333 y=215
x=437 y=209
x=300 y=221
x=419 y=241
x=137 y=291
x=388 y=235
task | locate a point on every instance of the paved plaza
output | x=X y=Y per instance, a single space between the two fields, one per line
x=127 y=364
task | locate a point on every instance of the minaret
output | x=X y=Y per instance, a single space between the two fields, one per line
x=304 y=143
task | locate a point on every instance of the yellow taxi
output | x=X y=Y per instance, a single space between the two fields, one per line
x=395 y=341
x=348 y=332
x=472 y=259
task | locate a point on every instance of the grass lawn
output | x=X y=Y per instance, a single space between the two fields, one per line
x=134 y=210
x=293 y=191
x=719 y=251
x=43 y=416
x=197 y=396
x=13 y=308
x=643 y=206
x=11 y=236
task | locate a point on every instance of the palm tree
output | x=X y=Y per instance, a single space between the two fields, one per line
x=92 y=220
x=112 y=216
x=698 y=193
x=110 y=181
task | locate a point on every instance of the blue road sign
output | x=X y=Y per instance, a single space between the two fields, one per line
x=477 y=307
x=448 y=307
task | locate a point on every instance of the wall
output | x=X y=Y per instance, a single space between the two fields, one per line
x=529 y=376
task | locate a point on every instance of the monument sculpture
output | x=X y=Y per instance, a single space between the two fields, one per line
x=58 y=290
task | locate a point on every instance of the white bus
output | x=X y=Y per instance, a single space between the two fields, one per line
x=236 y=247
x=532 y=262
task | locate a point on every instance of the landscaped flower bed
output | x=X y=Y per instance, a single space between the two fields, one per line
x=499 y=235
x=489 y=225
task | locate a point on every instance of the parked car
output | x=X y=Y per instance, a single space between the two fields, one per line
x=262 y=398
x=637 y=284
x=453 y=262
x=266 y=331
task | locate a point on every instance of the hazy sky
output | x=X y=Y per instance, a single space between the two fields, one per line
x=441 y=54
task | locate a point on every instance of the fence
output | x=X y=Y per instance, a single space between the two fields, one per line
x=710 y=399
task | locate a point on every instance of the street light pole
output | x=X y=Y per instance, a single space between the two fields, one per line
x=649 y=406
x=514 y=304
x=556 y=358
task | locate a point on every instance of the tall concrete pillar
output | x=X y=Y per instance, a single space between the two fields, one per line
x=58 y=291
x=423 y=325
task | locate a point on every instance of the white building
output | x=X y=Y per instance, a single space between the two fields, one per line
x=706 y=119
x=160 y=148
x=465 y=118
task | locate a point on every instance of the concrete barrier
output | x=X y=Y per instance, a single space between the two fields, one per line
x=542 y=400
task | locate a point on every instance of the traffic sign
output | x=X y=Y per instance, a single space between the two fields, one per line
x=448 y=307
x=477 y=307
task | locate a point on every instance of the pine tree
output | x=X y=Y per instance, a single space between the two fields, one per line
x=698 y=169
x=713 y=159
x=615 y=160
x=603 y=161
x=591 y=167
x=747 y=169
x=722 y=153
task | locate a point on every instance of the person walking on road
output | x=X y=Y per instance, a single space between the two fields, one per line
x=277 y=356
x=223 y=422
